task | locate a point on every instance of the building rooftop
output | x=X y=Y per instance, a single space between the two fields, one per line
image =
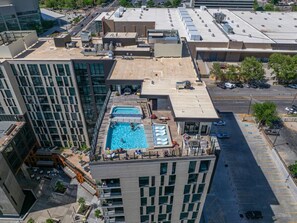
x=8 y=130
x=160 y=80
x=281 y=27
x=120 y=35
x=45 y=49
x=249 y=27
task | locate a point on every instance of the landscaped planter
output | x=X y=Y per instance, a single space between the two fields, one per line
x=84 y=213
x=60 y=188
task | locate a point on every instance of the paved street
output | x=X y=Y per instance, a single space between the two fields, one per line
x=237 y=100
x=247 y=179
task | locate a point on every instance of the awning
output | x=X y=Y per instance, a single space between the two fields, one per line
x=89 y=188
x=69 y=172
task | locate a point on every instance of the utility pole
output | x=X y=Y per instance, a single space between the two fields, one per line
x=251 y=99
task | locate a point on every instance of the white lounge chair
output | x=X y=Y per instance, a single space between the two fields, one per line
x=159 y=127
x=160 y=133
x=157 y=130
x=162 y=139
x=162 y=143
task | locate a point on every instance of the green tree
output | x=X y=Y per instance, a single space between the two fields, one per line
x=232 y=73
x=269 y=7
x=176 y=3
x=293 y=169
x=150 y=3
x=125 y=3
x=97 y=213
x=168 y=4
x=252 y=69
x=284 y=67
x=256 y=5
x=49 y=220
x=31 y=220
x=265 y=113
x=217 y=72
x=82 y=201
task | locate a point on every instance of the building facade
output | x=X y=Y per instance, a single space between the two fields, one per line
x=230 y=4
x=19 y=15
x=17 y=141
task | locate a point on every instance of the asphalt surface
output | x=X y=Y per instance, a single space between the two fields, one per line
x=238 y=100
x=247 y=179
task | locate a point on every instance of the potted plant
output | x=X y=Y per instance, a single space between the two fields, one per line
x=60 y=187
x=83 y=208
x=31 y=220
x=98 y=214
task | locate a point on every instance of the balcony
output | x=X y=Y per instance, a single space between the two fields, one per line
x=106 y=185
x=111 y=204
x=110 y=194
x=113 y=213
x=114 y=220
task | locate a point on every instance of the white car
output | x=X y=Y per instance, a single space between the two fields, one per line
x=230 y=85
x=292 y=86
x=220 y=123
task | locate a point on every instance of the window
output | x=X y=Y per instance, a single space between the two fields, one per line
x=160 y=209
x=173 y=168
x=171 y=180
x=201 y=188
x=14 y=71
x=186 y=198
x=187 y=189
x=160 y=191
x=144 y=181
x=198 y=206
x=43 y=70
x=190 y=207
x=150 y=209
x=168 y=208
x=171 y=199
x=192 y=128
x=152 y=191
x=162 y=217
x=162 y=180
x=163 y=200
x=153 y=181
x=169 y=190
x=192 y=166
x=33 y=69
x=192 y=178
x=163 y=168
x=144 y=218
x=152 y=200
x=60 y=69
x=183 y=215
x=143 y=201
x=195 y=214
x=141 y=192
x=204 y=165
x=196 y=197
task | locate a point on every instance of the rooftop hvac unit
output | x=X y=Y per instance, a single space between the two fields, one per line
x=219 y=17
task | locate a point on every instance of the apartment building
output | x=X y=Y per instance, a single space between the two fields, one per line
x=19 y=15
x=60 y=89
x=165 y=173
x=17 y=140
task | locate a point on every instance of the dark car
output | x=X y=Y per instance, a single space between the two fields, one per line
x=274 y=132
x=254 y=85
x=238 y=84
x=264 y=85
x=221 y=85
x=253 y=215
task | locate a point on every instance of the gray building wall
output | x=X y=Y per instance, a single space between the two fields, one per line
x=129 y=172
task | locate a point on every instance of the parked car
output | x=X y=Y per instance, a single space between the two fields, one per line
x=221 y=85
x=247 y=85
x=220 y=123
x=254 y=85
x=263 y=85
x=229 y=85
x=253 y=215
x=274 y=132
x=294 y=86
x=238 y=84
x=223 y=135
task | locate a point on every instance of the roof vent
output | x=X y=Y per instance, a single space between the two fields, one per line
x=213 y=35
x=232 y=21
x=279 y=18
x=243 y=30
x=295 y=18
x=263 y=25
x=250 y=35
x=209 y=30
x=202 y=21
x=251 y=17
x=279 y=26
x=237 y=25
x=265 y=18
x=205 y=25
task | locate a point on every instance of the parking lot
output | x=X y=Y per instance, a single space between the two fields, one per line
x=247 y=179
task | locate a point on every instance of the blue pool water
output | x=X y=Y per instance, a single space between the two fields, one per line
x=126 y=110
x=120 y=135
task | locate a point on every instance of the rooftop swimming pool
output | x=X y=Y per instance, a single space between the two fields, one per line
x=123 y=135
x=126 y=111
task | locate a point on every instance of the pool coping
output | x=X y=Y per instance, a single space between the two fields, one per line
x=111 y=115
x=168 y=134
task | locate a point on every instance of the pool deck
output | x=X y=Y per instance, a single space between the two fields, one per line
x=152 y=152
